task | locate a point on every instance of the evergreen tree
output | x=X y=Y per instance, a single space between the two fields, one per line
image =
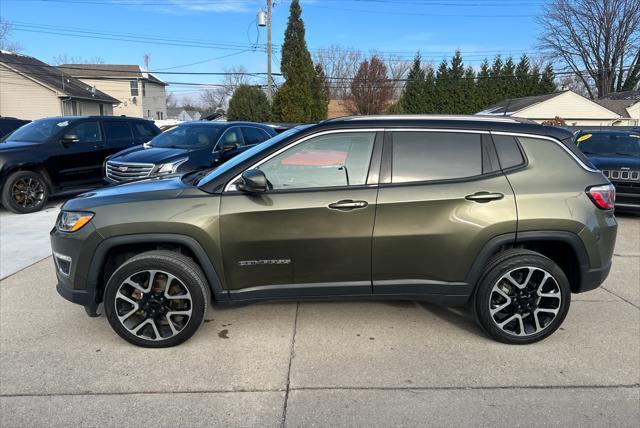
x=249 y=103
x=430 y=91
x=413 y=98
x=483 y=85
x=297 y=99
x=534 y=81
x=522 y=79
x=547 y=80
x=509 y=86
x=495 y=86
x=456 y=84
x=321 y=87
x=442 y=99
x=469 y=100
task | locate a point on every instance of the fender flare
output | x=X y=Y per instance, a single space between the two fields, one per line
x=100 y=254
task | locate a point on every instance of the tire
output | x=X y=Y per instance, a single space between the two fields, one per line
x=147 y=311
x=25 y=192
x=521 y=315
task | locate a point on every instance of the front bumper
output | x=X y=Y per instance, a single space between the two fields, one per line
x=627 y=196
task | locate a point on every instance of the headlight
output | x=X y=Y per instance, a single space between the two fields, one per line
x=71 y=221
x=170 y=168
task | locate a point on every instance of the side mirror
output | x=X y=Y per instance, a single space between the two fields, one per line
x=70 y=138
x=227 y=146
x=253 y=181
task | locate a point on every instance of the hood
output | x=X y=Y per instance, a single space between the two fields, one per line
x=166 y=187
x=615 y=162
x=16 y=145
x=155 y=155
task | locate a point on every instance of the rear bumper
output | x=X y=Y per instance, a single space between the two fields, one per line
x=593 y=278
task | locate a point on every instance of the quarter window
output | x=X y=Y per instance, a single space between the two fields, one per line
x=508 y=151
x=324 y=161
x=254 y=135
x=232 y=136
x=426 y=156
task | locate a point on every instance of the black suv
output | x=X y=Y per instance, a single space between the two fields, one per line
x=62 y=155
x=617 y=154
x=10 y=124
x=187 y=147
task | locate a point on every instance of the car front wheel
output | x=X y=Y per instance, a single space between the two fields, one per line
x=523 y=298
x=25 y=192
x=157 y=299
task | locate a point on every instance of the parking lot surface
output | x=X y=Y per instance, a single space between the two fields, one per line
x=323 y=363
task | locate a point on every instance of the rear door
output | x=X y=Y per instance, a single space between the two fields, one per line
x=119 y=135
x=442 y=196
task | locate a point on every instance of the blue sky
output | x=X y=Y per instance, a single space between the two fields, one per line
x=182 y=32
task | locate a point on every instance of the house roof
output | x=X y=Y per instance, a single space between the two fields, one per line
x=512 y=105
x=124 y=71
x=174 y=111
x=53 y=78
x=617 y=106
x=626 y=95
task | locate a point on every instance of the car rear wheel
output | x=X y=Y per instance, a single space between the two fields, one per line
x=25 y=192
x=523 y=298
x=157 y=299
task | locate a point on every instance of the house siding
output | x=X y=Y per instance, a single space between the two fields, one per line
x=25 y=99
x=133 y=106
x=573 y=108
x=155 y=101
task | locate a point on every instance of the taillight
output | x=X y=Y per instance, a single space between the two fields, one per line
x=604 y=197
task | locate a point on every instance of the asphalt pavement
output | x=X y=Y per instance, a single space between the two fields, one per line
x=323 y=363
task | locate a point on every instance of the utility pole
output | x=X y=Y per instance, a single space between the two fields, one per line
x=269 y=81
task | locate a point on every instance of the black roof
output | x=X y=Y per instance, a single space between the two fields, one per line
x=96 y=71
x=511 y=105
x=475 y=122
x=54 y=78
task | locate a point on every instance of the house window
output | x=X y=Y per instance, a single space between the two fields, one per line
x=101 y=109
x=134 y=88
x=159 y=115
x=149 y=114
x=144 y=90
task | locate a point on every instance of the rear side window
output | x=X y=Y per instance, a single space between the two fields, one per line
x=145 y=129
x=119 y=130
x=254 y=135
x=508 y=151
x=232 y=136
x=426 y=156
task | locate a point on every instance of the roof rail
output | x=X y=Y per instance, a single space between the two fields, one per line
x=471 y=118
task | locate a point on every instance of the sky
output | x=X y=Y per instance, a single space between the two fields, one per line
x=209 y=36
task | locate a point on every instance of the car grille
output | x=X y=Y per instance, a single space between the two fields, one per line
x=125 y=171
x=621 y=175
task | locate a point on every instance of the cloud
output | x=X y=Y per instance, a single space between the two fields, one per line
x=217 y=6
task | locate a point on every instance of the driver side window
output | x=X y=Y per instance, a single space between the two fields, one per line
x=332 y=160
x=87 y=132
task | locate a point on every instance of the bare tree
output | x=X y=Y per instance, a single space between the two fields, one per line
x=601 y=37
x=213 y=98
x=65 y=58
x=340 y=65
x=398 y=71
x=371 y=90
x=6 y=41
x=171 y=100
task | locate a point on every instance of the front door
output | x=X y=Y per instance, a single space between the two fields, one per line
x=311 y=232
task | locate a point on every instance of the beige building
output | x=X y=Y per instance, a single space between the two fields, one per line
x=141 y=93
x=573 y=108
x=31 y=89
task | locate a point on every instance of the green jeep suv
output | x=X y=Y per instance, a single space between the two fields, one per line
x=509 y=217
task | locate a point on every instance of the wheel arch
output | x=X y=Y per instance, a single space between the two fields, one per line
x=112 y=252
x=32 y=167
x=565 y=248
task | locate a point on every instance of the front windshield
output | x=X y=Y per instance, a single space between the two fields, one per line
x=247 y=154
x=610 y=144
x=38 y=131
x=188 y=137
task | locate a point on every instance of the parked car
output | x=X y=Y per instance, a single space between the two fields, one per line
x=62 y=155
x=187 y=147
x=10 y=124
x=508 y=216
x=617 y=154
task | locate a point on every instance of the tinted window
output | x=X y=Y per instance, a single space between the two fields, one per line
x=145 y=129
x=187 y=137
x=614 y=144
x=39 y=131
x=117 y=130
x=87 y=132
x=423 y=156
x=323 y=161
x=254 y=135
x=508 y=151
x=232 y=136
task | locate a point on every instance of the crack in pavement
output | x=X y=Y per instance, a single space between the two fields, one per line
x=291 y=355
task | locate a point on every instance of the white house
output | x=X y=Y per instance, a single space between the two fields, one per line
x=575 y=109
x=32 y=89
x=142 y=94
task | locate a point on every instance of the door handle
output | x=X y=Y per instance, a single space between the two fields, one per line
x=347 y=204
x=483 y=197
